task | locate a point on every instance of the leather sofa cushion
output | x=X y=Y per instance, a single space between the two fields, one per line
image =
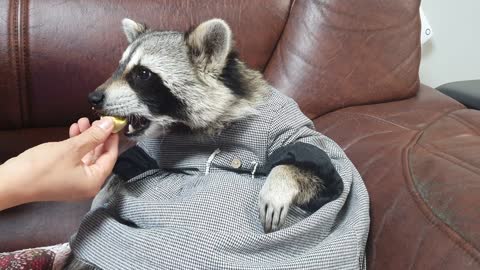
x=335 y=54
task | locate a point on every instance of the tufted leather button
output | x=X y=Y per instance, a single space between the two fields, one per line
x=236 y=163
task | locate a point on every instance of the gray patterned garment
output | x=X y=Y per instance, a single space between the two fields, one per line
x=200 y=210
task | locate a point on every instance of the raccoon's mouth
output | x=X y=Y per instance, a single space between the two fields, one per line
x=136 y=125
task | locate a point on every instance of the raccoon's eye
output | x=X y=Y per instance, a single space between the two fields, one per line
x=144 y=74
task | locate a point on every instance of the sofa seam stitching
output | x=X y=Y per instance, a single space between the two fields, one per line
x=25 y=58
x=13 y=27
x=437 y=152
x=21 y=59
x=466 y=123
x=17 y=59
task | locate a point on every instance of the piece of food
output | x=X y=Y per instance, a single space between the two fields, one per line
x=118 y=123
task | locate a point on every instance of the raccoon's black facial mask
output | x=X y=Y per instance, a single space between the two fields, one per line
x=151 y=90
x=153 y=93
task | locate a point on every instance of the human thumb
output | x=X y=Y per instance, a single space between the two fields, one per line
x=92 y=137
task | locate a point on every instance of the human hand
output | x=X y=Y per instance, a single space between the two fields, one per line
x=68 y=170
x=83 y=124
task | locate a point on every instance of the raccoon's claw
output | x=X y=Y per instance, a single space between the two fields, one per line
x=276 y=196
x=272 y=216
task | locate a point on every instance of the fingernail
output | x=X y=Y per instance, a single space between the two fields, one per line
x=105 y=123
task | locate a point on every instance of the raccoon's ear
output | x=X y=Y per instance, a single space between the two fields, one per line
x=132 y=29
x=209 y=44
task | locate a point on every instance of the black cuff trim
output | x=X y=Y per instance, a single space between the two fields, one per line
x=133 y=162
x=310 y=157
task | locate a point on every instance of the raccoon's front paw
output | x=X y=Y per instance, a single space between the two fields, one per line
x=276 y=196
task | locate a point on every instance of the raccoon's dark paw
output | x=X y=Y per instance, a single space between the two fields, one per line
x=276 y=196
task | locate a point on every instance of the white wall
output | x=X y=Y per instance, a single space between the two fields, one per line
x=453 y=53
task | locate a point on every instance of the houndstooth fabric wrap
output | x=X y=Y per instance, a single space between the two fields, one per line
x=199 y=210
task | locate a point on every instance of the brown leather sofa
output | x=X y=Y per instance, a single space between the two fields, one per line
x=352 y=65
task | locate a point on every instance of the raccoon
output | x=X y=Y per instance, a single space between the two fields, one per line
x=168 y=82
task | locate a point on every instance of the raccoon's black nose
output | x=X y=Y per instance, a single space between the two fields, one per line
x=96 y=98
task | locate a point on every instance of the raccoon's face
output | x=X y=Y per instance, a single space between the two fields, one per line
x=165 y=79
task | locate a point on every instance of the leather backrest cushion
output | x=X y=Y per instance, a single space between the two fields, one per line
x=341 y=53
x=53 y=53
x=10 y=110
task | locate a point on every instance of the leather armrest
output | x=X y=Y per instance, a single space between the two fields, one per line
x=465 y=92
